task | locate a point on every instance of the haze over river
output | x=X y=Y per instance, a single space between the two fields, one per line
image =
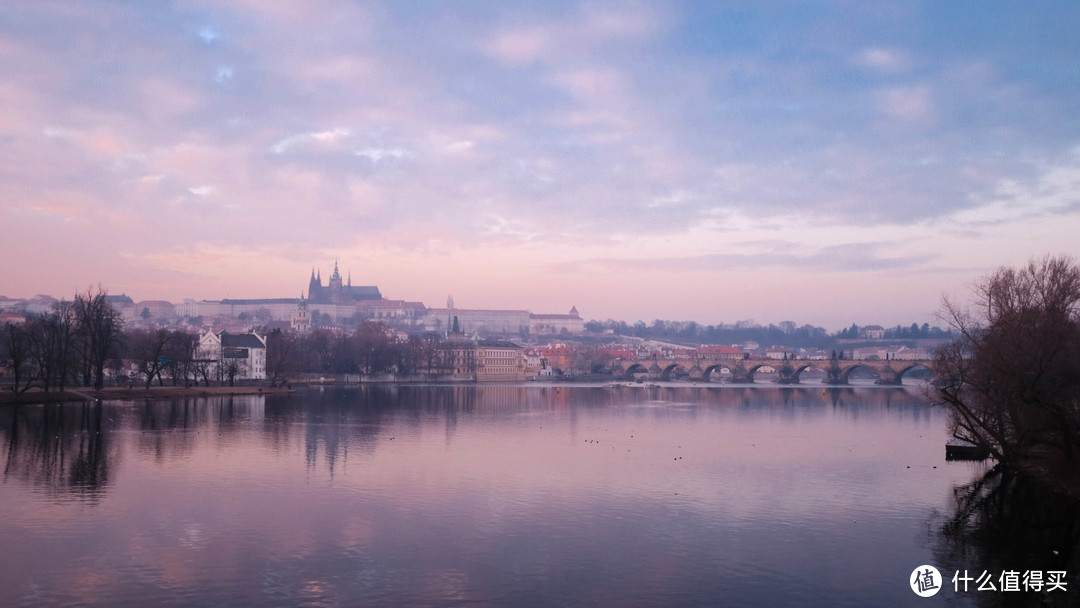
x=528 y=495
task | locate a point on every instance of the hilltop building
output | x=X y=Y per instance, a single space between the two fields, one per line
x=336 y=292
x=571 y=323
x=873 y=332
x=501 y=322
x=339 y=300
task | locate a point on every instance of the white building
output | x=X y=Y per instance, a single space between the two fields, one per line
x=247 y=352
x=873 y=332
x=779 y=352
x=571 y=323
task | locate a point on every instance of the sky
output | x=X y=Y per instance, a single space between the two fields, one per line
x=821 y=162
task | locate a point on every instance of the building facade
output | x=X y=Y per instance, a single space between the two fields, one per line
x=572 y=323
x=485 y=360
x=242 y=356
x=301 y=320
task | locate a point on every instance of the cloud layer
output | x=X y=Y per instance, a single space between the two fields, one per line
x=524 y=155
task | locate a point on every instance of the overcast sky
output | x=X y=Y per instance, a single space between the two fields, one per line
x=827 y=163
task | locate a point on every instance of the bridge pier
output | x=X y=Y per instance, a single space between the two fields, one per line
x=740 y=375
x=834 y=375
x=888 y=376
x=787 y=375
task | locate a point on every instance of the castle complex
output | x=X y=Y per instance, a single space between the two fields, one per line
x=340 y=302
x=336 y=293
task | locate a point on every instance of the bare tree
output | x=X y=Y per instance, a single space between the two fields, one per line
x=202 y=368
x=1012 y=378
x=17 y=357
x=149 y=349
x=62 y=327
x=180 y=356
x=102 y=329
x=232 y=367
x=280 y=355
x=50 y=339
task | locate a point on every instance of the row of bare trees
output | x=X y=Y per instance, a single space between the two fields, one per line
x=172 y=356
x=370 y=349
x=75 y=342
x=68 y=345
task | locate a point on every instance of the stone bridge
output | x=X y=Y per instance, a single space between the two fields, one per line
x=837 y=371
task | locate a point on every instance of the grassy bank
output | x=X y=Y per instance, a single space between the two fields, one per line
x=119 y=392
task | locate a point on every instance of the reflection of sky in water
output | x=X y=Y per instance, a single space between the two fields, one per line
x=500 y=495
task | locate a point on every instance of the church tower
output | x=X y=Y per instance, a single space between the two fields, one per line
x=301 y=322
x=336 y=293
x=314 y=286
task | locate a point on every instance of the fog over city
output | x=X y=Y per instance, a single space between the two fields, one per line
x=826 y=163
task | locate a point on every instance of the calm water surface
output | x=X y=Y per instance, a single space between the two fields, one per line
x=492 y=495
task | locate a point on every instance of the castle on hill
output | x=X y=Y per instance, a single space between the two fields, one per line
x=338 y=293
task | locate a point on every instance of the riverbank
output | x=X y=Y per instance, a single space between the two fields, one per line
x=123 y=393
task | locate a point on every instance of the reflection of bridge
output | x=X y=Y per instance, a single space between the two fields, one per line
x=837 y=371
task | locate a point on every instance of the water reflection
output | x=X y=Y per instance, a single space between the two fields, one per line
x=330 y=422
x=69 y=448
x=58 y=449
x=1003 y=521
x=493 y=495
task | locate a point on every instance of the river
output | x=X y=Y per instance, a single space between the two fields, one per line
x=677 y=495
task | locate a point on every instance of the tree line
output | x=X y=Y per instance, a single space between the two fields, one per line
x=76 y=342
x=693 y=333
x=370 y=349
x=912 y=332
x=68 y=345
x=787 y=333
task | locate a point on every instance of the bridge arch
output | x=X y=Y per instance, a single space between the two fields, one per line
x=796 y=374
x=907 y=368
x=717 y=368
x=753 y=369
x=845 y=374
x=635 y=368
